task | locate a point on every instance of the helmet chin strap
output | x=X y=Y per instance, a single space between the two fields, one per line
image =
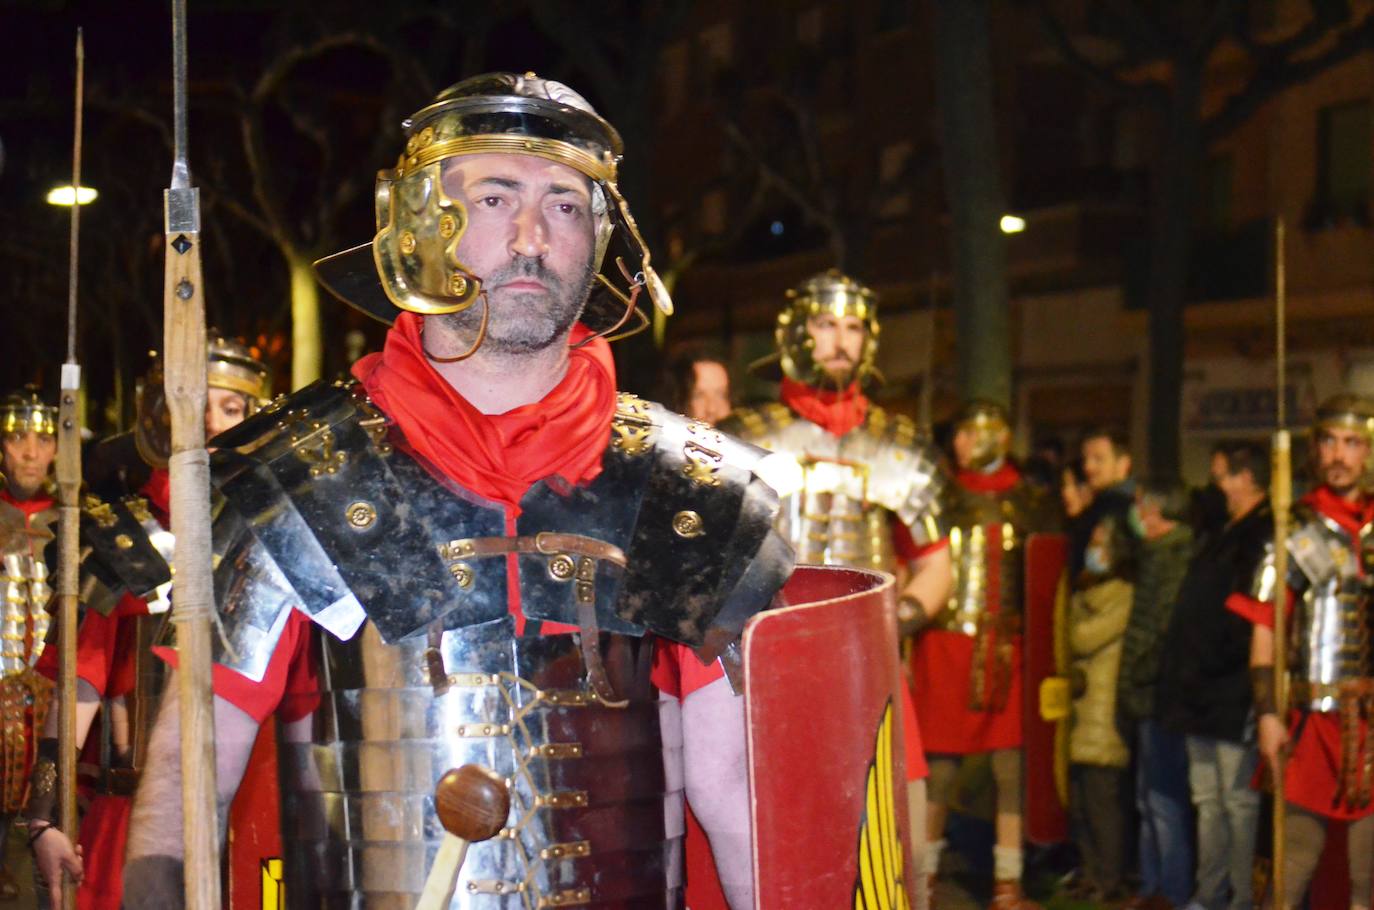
x=481 y=335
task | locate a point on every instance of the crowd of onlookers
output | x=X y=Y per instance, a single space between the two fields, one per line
x=1162 y=744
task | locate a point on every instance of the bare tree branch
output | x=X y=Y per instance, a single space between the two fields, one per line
x=1141 y=92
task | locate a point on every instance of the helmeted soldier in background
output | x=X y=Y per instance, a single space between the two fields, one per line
x=868 y=490
x=125 y=580
x=966 y=667
x=481 y=554
x=28 y=518
x=1330 y=766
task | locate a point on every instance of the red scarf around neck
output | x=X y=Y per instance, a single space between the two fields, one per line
x=497 y=456
x=998 y=481
x=1349 y=515
x=31 y=506
x=835 y=412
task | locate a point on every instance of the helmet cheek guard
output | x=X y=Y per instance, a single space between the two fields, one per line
x=415 y=249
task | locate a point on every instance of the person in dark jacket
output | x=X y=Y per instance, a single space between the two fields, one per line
x=1161 y=790
x=1205 y=685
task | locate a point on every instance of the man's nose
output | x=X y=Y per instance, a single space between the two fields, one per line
x=530 y=237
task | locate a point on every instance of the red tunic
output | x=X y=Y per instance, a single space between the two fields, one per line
x=942 y=670
x=1311 y=774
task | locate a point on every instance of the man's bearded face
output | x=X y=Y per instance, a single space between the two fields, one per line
x=1341 y=455
x=531 y=239
x=838 y=343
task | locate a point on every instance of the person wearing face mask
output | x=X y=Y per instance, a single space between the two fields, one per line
x=869 y=490
x=125 y=591
x=28 y=520
x=1103 y=565
x=1329 y=773
x=966 y=668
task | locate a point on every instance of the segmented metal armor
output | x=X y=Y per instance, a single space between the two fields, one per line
x=24 y=695
x=850 y=485
x=320 y=508
x=1330 y=659
x=987 y=540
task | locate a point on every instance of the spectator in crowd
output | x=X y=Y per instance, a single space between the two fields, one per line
x=698 y=385
x=1204 y=688
x=1161 y=761
x=1209 y=516
x=1107 y=469
x=1103 y=566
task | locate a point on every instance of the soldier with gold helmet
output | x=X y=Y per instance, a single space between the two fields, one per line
x=28 y=518
x=125 y=584
x=967 y=670
x=488 y=554
x=867 y=492
x=1329 y=774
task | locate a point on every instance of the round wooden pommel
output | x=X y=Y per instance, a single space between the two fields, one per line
x=472 y=802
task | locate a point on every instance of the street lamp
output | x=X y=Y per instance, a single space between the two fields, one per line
x=1012 y=224
x=69 y=195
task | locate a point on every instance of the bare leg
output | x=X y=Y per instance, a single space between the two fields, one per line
x=716 y=773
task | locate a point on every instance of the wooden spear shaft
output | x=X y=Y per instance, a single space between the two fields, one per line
x=1281 y=499
x=193 y=593
x=68 y=513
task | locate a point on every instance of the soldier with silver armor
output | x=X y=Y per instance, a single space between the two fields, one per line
x=125 y=582
x=966 y=667
x=1330 y=759
x=865 y=490
x=28 y=520
x=480 y=553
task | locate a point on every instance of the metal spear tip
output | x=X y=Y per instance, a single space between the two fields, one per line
x=472 y=802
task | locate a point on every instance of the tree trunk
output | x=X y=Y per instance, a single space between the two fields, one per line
x=1171 y=216
x=973 y=188
x=306 y=347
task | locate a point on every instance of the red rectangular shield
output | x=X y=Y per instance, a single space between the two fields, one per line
x=827 y=776
x=1044 y=721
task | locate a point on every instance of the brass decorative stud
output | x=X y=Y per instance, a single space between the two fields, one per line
x=124 y=542
x=426 y=137
x=407 y=243
x=361 y=515
x=457 y=284
x=462 y=573
x=688 y=524
x=562 y=567
x=448 y=225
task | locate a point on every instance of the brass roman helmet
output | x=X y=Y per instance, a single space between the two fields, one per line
x=26 y=411
x=1346 y=411
x=991 y=431
x=412 y=263
x=829 y=292
x=230 y=365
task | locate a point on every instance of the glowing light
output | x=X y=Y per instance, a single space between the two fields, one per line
x=67 y=195
x=1012 y=224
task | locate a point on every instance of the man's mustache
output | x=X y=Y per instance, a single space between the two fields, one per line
x=524 y=267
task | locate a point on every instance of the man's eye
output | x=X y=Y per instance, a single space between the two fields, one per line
x=568 y=208
x=490 y=202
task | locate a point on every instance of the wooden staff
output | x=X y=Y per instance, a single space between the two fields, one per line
x=193 y=598
x=1281 y=499
x=69 y=512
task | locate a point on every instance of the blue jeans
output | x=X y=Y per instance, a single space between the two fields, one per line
x=1166 y=825
x=1219 y=773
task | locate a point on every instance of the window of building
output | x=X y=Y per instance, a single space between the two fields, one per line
x=893 y=162
x=1345 y=156
x=673 y=69
x=713 y=212
x=810 y=25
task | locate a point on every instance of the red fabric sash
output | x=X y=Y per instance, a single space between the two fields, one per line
x=30 y=507
x=999 y=481
x=1349 y=515
x=835 y=412
x=497 y=456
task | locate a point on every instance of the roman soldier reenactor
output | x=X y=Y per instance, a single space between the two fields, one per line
x=28 y=517
x=866 y=491
x=125 y=588
x=967 y=672
x=1329 y=764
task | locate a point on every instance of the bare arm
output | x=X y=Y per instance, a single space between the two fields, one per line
x=87 y=707
x=930 y=580
x=715 y=766
x=152 y=877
